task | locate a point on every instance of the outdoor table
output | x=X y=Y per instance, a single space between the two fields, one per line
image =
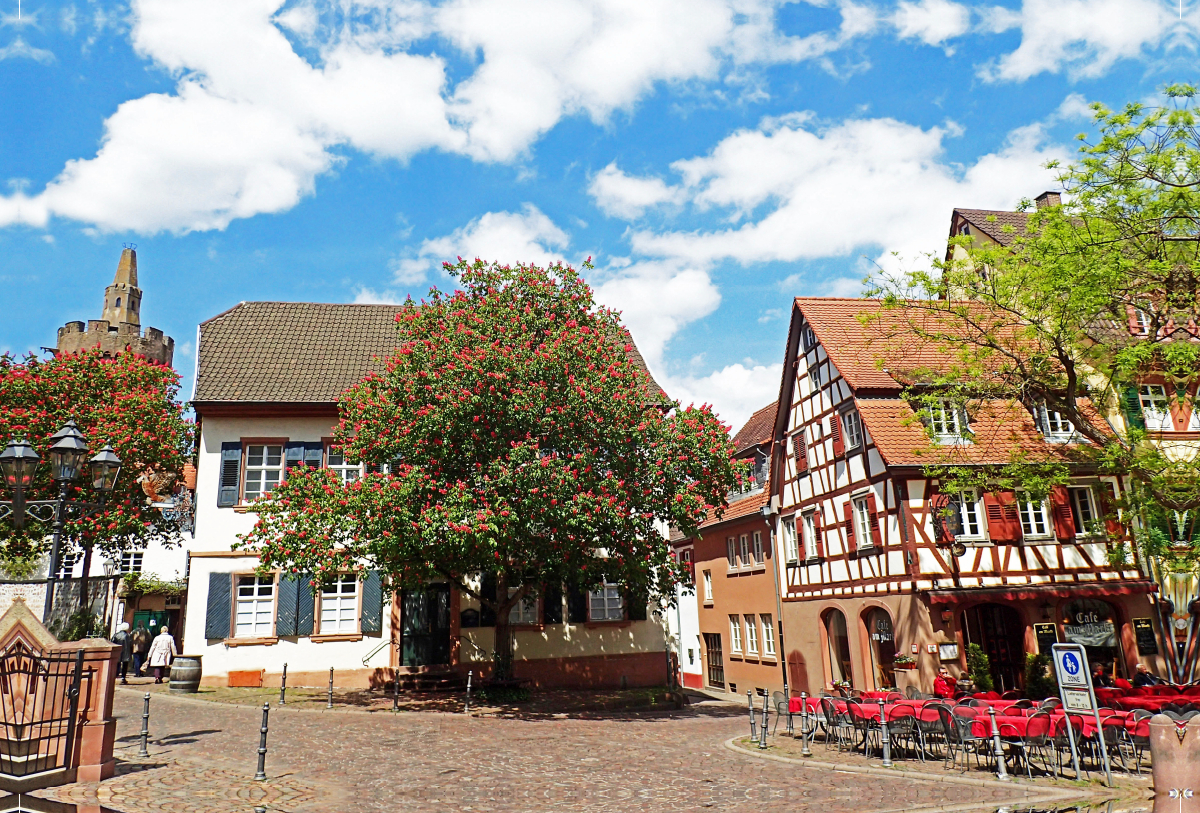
x=1013 y=725
x=1147 y=703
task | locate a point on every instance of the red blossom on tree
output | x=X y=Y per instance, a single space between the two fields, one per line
x=522 y=438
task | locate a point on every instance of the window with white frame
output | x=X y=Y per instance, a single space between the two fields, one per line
x=335 y=460
x=768 y=635
x=851 y=429
x=791 y=550
x=970 y=515
x=131 y=561
x=255 y=612
x=1035 y=517
x=1083 y=509
x=744 y=549
x=66 y=565
x=758 y=548
x=810 y=338
x=339 y=605
x=947 y=421
x=862 y=522
x=1055 y=425
x=708 y=585
x=1155 y=410
x=264 y=469
x=751 y=635
x=735 y=633
x=814 y=372
x=731 y=552
x=1141 y=320
x=524 y=611
x=811 y=550
x=606 y=604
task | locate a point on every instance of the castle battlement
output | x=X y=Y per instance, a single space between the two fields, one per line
x=120 y=328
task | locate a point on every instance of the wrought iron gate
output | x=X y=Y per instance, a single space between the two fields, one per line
x=39 y=705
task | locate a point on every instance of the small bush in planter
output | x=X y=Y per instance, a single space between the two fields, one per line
x=979 y=667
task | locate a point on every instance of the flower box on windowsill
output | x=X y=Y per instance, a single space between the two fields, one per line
x=904 y=667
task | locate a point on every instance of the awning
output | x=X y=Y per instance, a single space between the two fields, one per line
x=1030 y=592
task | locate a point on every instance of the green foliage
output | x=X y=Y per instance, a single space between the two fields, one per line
x=979 y=668
x=126 y=402
x=151 y=584
x=82 y=624
x=1039 y=677
x=522 y=438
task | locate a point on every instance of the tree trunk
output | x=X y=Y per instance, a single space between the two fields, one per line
x=83 y=583
x=502 y=650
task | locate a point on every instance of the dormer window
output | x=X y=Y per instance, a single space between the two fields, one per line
x=1054 y=425
x=810 y=338
x=948 y=421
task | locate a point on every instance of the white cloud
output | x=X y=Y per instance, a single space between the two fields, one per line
x=736 y=391
x=757 y=39
x=802 y=191
x=369 y=296
x=20 y=49
x=931 y=21
x=626 y=196
x=1083 y=37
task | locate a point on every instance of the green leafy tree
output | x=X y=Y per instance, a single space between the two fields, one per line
x=125 y=402
x=520 y=437
x=1039 y=677
x=1073 y=312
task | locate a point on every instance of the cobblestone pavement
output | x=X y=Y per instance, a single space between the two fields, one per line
x=203 y=759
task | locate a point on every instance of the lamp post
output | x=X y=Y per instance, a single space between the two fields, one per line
x=67 y=453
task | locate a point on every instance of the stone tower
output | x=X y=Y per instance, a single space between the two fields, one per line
x=119 y=327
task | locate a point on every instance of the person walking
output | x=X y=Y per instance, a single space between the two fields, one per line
x=162 y=652
x=123 y=639
x=140 y=640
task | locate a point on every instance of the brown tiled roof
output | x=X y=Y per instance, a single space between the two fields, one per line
x=998 y=428
x=738 y=509
x=299 y=352
x=992 y=222
x=758 y=429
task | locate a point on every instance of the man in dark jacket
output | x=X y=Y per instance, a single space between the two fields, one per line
x=1145 y=678
x=125 y=640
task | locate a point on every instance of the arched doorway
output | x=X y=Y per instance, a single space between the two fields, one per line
x=1093 y=623
x=838 y=640
x=882 y=639
x=1000 y=632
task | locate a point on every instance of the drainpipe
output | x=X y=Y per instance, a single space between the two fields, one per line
x=769 y=512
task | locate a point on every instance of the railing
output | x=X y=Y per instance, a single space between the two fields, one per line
x=39 y=705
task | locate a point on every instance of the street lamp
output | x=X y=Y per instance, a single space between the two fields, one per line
x=68 y=450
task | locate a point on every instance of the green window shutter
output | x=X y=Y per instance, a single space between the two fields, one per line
x=371 y=620
x=305 y=605
x=314 y=454
x=231 y=472
x=218 y=618
x=487 y=589
x=285 y=607
x=1131 y=405
x=552 y=604
x=293 y=455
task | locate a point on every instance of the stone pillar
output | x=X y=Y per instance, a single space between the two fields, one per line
x=96 y=733
x=1175 y=751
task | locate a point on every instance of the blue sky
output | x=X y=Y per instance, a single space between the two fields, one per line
x=714 y=157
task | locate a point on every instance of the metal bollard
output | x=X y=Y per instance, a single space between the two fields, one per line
x=261 y=775
x=468 y=710
x=998 y=747
x=396 y=691
x=753 y=728
x=330 y=704
x=885 y=737
x=762 y=733
x=283 y=685
x=142 y=751
x=805 y=751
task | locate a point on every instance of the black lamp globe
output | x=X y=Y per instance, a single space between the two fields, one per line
x=105 y=468
x=67 y=452
x=18 y=462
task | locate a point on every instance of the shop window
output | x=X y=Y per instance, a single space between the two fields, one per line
x=1091 y=623
x=883 y=648
x=839 y=647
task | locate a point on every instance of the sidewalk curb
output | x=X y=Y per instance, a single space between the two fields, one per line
x=1042 y=794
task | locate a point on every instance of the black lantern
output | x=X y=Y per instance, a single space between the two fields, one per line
x=18 y=462
x=105 y=468
x=67 y=452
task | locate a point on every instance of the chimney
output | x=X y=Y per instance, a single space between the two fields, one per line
x=1048 y=199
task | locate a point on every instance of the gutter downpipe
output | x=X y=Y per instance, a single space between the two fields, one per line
x=770 y=511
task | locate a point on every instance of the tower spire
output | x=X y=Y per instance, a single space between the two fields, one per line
x=123 y=299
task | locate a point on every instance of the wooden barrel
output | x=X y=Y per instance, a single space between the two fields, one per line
x=185 y=674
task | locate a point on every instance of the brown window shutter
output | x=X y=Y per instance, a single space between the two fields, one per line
x=1108 y=504
x=835 y=431
x=1131 y=314
x=819 y=524
x=801 y=452
x=848 y=509
x=876 y=534
x=1060 y=506
x=1004 y=523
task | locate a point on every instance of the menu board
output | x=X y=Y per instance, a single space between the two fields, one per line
x=1047 y=636
x=1147 y=641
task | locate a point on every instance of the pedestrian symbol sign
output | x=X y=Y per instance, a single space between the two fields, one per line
x=1078 y=696
x=1070 y=666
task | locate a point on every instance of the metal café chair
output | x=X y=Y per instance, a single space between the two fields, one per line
x=782 y=709
x=960 y=738
x=893 y=697
x=836 y=723
x=865 y=721
x=1037 y=739
x=902 y=726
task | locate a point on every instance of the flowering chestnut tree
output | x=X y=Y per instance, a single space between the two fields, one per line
x=126 y=402
x=517 y=435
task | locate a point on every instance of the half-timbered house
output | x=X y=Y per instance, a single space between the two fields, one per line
x=885 y=564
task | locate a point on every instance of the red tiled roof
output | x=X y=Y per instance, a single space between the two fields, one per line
x=738 y=509
x=992 y=223
x=757 y=430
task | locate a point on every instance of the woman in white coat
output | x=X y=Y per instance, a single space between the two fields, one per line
x=162 y=652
